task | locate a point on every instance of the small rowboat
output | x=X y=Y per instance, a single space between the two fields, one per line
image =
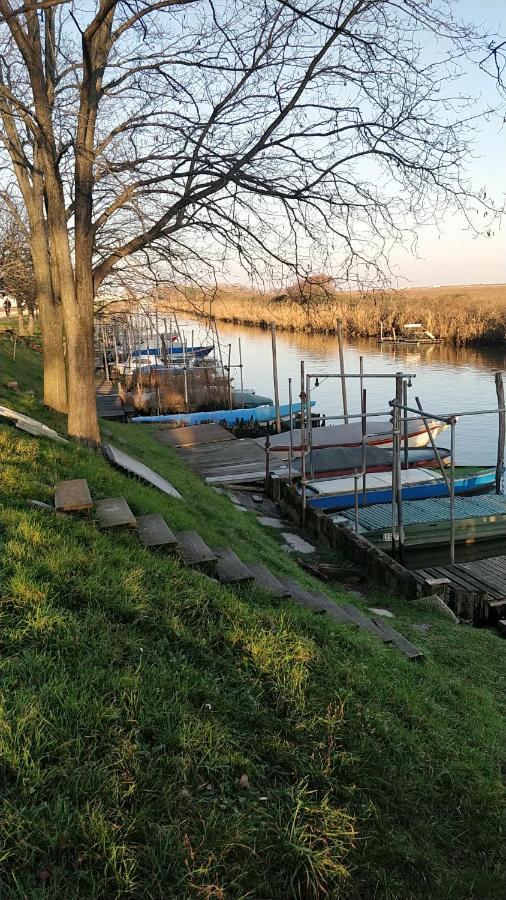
x=333 y=462
x=379 y=434
x=259 y=415
x=417 y=484
x=173 y=350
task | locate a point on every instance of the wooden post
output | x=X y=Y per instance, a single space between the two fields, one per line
x=275 y=376
x=499 y=386
x=405 y=421
x=343 y=374
x=433 y=444
x=363 y=404
x=452 y=493
x=400 y=523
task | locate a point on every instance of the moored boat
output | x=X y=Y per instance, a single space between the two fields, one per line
x=417 y=484
x=332 y=462
x=258 y=415
x=379 y=434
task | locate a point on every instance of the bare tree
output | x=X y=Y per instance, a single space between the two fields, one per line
x=305 y=135
x=16 y=270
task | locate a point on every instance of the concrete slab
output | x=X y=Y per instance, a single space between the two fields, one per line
x=297 y=543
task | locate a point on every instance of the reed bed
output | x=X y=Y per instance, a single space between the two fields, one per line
x=167 y=392
x=470 y=314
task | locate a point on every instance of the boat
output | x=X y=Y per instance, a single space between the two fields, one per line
x=174 y=350
x=412 y=333
x=379 y=434
x=417 y=484
x=480 y=527
x=249 y=399
x=259 y=415
x=336 y=461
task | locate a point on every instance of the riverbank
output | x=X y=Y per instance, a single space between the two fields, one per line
x=460 y=315
x=136 y=696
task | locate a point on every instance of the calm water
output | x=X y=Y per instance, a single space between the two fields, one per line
x=447 y=379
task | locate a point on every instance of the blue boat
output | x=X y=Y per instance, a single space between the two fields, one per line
x=417 y=484
x=259 y=415
x=173 y=351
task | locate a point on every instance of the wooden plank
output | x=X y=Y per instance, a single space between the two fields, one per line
x=303 y=597
x=363 y=622
x=194 y=551
x=193 y=435
x=398 y=640
x=114 y=512
x=154 y=532
x=229 y=568
x=72 y=496
x=134 y=467
x=266 y=580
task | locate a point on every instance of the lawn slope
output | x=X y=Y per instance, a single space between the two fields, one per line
x=162 y=736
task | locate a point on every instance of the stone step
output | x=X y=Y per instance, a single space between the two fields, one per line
x=114 y=512
x=154 y=532
x=266 y=580
x=194 y=551
x=229 y=568
x=72 y=496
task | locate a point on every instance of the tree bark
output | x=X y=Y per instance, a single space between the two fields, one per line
x=21 y=321
x=31 y=321
x=50 y=312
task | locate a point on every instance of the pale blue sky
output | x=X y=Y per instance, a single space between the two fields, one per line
x=455 y=256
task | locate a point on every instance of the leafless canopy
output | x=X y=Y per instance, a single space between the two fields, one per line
x=181 y=134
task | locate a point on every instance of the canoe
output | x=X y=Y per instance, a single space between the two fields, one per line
x=259 y=415
x=332 y=462
x=350 y=435
x=417 y=484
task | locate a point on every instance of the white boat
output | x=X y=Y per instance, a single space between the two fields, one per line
x=379 y=434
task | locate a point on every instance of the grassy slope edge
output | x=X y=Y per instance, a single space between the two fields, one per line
x=135 y=694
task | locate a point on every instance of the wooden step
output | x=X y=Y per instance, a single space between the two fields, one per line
x=316 y=602
x=398 y=640
x=154 y=532
x=266 y=580
x=114 y=512
x=364 y=623
x=194 y=551
x=229 y=568
x=72 y=496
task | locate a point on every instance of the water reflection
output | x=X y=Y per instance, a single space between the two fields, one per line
x=448 y=379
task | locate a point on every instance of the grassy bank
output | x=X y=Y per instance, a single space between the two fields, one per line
x=471 y=314
x=135 y=697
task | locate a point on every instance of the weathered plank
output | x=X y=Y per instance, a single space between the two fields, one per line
x=194 y=551
x=363 y=622
x=135 y=467
x=72 y=496
x=154 y=532
x=114 y=512
x=229 y=567
x=31 y=426
x=303 y=597
x=266 y=580
x=398 y=640
x=193 y=435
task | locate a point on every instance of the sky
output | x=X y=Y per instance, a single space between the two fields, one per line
x=453 y=255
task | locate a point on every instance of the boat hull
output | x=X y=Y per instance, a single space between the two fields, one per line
x=379 y=434
x=341 y=461
x=258 y=415
x=481 y=482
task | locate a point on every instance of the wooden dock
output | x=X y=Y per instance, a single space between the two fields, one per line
x=480 y=586
x=221 y=460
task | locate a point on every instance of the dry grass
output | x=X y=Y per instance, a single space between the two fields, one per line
x=469 y=314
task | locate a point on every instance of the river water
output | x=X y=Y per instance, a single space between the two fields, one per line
x=448 y=379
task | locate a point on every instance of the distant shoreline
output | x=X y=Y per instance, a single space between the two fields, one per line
x=466 y=315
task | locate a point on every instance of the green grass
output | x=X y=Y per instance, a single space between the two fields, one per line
x=135 y=694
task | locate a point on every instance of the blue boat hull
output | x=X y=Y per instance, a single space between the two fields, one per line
x=172 y=352
x=259 y=415
x=469 y=484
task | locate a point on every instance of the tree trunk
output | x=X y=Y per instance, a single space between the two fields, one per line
x=50 y=314
x=21 y=321
x=31 y=321
x=82 y=415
